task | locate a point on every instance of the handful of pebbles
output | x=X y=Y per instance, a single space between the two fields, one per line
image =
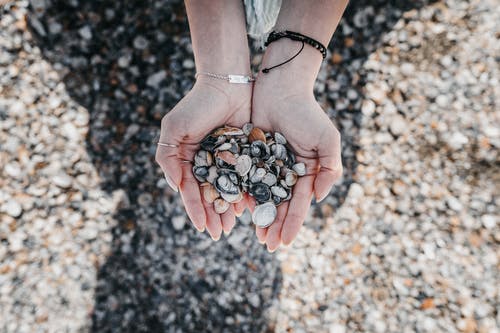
x=234 y=160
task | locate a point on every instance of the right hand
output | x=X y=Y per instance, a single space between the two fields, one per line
x=210 y=104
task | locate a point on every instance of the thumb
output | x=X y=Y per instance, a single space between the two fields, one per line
x=167 y=154
x=330 y=162
x=166 y=157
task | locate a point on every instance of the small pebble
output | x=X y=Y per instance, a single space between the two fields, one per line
x=13 y=208
x=178 y=222
x=62 y=180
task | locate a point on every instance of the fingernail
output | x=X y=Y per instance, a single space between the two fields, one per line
x=225 y=232
x=261 y=241
x=215 y=237
x=202 y=229
x=171 y=183
x=318 y=200
x=270 y=251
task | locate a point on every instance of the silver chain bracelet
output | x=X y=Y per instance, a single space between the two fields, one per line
x=231 y=78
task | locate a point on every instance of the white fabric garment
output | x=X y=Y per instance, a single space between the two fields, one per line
x=261 y=17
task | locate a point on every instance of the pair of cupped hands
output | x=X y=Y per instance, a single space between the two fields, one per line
x=272 y=104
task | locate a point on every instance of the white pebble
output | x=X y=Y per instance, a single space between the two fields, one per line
x=337 y=328
x=154 y=80
x=489 y=221
x=89 y=233
x=398 y=125
x=368 y=107
x=457 y=140
x=62 y=180
x=178 y=222
x=13 y=170
x=85 y=32
x=454 y=204
x=188 y=63
x=13 y=208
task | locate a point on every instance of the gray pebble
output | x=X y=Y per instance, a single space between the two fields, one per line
x=140 y=42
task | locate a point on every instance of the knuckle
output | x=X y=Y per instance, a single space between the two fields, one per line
x=339 y=171
x=295 y=217
x=288 y=237
x=171 y=124
x=194 y=206
x=335 y=172
x=336 y=136
x=189 y=179
x=159 y=157
x=168 y=124
x=165 y=121
x=300 y=196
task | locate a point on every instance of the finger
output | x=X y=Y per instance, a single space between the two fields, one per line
x=273 y=237
x=250 y=202
x=261 y=234
x=166 y=157
x=298 y=207
x=239 y=207
x=228 y=220
x=329 y=156
x=325 y=179
x=191 y=196
x=214 y=223
x=169 y=157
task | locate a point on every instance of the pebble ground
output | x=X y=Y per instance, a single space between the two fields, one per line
x=93 y=240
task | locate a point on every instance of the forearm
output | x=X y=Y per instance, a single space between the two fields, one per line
x=218 y=34
x=316 y=19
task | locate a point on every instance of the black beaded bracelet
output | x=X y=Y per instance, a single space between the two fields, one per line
x=295 y=36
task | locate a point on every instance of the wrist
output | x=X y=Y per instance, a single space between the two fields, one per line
x=225 y=64
x=296 y=76
x=228 y=55
x=236 y=95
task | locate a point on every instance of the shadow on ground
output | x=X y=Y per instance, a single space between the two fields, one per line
x=129 y=63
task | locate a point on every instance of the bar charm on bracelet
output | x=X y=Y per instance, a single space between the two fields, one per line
x=239 y=78
x=231 y=78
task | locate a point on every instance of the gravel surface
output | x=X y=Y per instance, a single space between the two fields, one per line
x=93 y=240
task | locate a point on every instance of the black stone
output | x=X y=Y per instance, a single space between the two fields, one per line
x=261 y=192
x=208 y=143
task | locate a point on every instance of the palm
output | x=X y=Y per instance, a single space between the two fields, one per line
x=203 y=109
x=316 y=142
